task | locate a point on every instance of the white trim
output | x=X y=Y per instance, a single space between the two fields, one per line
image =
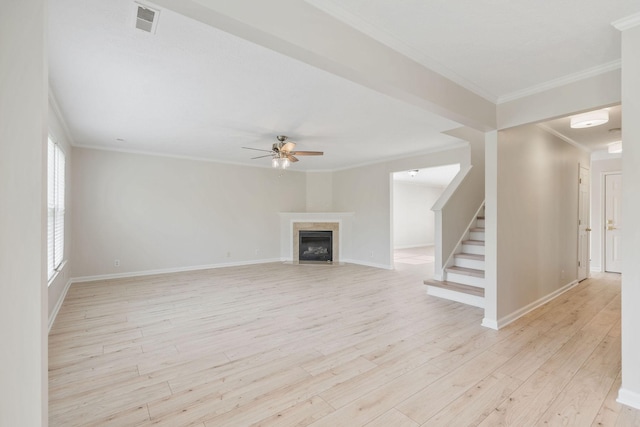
x=504 y=321
x=367 y=264
x=53 y=102
x=56 y=308
x=489 y=323
x=629 y=398
x=628 y=22
x=563 y=137
x=565 y=80
x=413 y=246
x=596 y=268
x=171 y=270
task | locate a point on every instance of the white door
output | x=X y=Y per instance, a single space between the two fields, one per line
x=583 y=224
x=613 y=224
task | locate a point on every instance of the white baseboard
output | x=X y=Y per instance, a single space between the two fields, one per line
x=629 y=398
x=171 y=270
x=56 y=308
x=596 y=269
x=504 y=321
x=368 y=264
x=489 y=323
x=421 y=245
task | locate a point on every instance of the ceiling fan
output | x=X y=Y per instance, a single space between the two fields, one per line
x=282 y=153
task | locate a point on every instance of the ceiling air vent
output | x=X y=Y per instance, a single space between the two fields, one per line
x=146 y=18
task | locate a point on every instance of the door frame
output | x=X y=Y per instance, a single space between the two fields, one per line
x=603 y=218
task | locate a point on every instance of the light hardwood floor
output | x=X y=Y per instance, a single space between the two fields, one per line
x=347 y=345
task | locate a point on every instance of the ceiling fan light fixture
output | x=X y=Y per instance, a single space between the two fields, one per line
x=413 y=173
x=280 y=163
x=614 y=147
x=590 y=119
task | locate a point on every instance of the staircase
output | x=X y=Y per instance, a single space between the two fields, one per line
x=464 y=277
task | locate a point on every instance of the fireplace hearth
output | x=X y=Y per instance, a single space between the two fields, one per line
x=315 y=245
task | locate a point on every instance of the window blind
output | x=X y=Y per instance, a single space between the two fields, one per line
x=55 y=207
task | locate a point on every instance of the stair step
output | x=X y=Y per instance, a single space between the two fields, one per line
x=473 y=242
x=475 y=257
x=480 y=217
x=457 y=287
x=466 y=271
x=479 y=229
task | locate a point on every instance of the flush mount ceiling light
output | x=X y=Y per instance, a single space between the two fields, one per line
x=413 y=173
x=591 y=119
x=614 y=147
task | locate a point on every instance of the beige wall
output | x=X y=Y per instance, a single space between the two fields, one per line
x=537 y=205
x=156 y=213
x=23 y=284
x=319 y=192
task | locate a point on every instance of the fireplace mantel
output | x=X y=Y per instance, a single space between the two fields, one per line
x=340 y=222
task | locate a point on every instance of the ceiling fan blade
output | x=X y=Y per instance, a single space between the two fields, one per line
x=291 y=158
x=307 y=153
x=289 y=146
x=260 y=157
x=257 y=149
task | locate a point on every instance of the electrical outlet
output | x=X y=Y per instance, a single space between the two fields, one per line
x=229 y=254
x=257 y=251
x=116 y=263
x=371 y=254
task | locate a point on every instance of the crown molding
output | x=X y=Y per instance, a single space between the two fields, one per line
x=627 y=22
x=563 y=137
x=55 y=107
x=552 y=84
x=332 y=8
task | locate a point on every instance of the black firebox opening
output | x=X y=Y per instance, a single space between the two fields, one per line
x=315 y=246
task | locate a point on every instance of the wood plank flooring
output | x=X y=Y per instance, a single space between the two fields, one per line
x=298 y=345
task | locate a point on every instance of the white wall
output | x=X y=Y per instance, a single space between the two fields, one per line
x=23 y=287
x=366 y=191
x=413 y=219
x=598 y=170
x=537 y=205
x=157 y=213
x=59 y=285
x=630 y=390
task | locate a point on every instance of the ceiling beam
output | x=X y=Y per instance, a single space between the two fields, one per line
x=303 y=32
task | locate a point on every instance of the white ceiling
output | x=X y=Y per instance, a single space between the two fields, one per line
x=497 y=48
x=192 y=90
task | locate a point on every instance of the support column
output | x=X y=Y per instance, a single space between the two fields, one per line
x=629 y=393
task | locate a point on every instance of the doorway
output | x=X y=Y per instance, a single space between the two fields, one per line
x=583 y=224
x=414 y=192
x=613 y=222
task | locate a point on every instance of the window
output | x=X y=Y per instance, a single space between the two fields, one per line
x=55 y=208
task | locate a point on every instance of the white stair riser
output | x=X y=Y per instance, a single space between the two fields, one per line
x=480 y=223
x=473 y=300
x=465 y=280
x=468 y=263
x=473 y=249
x=476 y=235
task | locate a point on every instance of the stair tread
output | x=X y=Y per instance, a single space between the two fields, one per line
x=470 y=256
x=457 y=287
x=473 y=242
x=466 y=271
x=480 y=217
x=477 y=229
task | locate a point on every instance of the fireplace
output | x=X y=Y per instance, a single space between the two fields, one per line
x=315 y=245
